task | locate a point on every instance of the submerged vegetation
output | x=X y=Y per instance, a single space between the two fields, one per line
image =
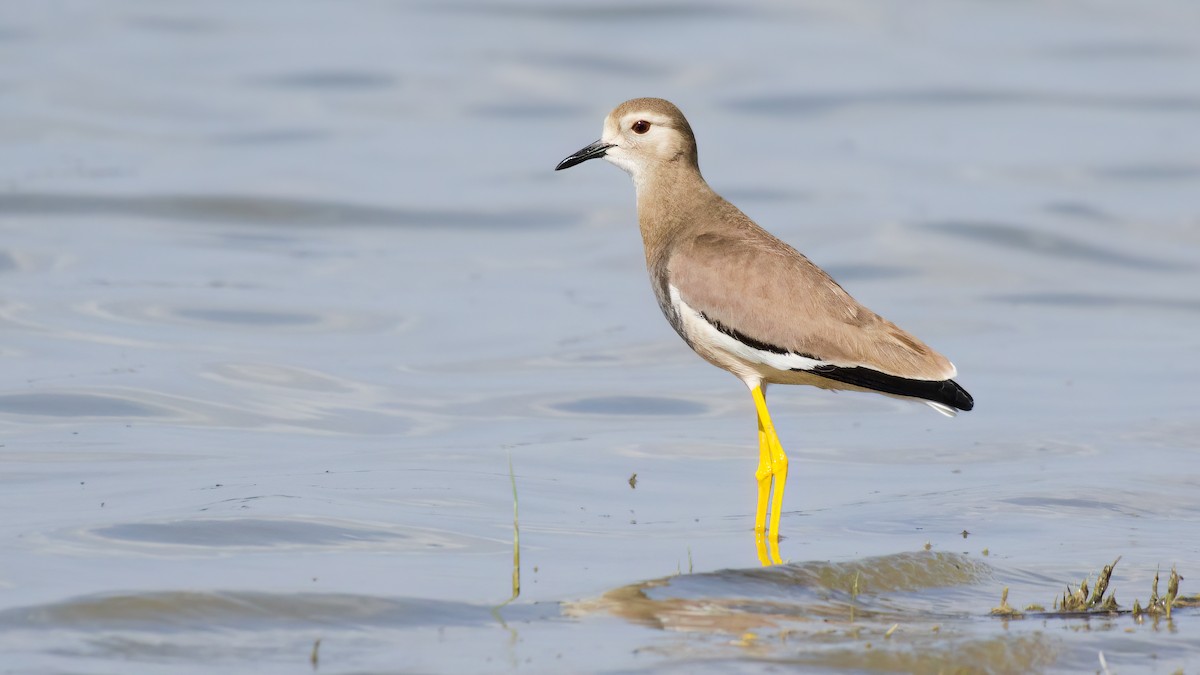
x=1079 y=601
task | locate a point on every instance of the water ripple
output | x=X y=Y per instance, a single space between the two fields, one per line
x=216 y=208
x=597 y=11
x=236 y=316
x=67 y=404
x=169 y=611
x=1094 y=300
x=630 y=405
x=331 y=79
x=818 y=103
x=1054 y=245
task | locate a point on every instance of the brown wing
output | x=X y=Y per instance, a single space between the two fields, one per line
x=750 y=282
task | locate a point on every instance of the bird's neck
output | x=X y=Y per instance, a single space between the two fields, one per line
x=668 y=201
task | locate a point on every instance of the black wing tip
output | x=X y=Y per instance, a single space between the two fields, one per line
x=945 y=392
x=962 y=399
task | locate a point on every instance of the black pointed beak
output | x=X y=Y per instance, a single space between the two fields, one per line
x=592 y=151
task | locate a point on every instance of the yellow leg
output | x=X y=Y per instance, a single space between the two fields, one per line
x=763 y=476
x=772 y=478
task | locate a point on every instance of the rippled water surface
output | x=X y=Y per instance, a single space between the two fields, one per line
x=285 y=287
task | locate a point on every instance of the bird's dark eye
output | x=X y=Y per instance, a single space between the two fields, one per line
x=640 y=127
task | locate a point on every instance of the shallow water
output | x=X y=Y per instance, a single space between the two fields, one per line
x=283 y=290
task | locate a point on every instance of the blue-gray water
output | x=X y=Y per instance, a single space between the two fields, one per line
x=285 y=285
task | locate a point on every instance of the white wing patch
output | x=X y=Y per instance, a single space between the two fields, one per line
x=750 y=364
x=942 y=408
x=706 y=337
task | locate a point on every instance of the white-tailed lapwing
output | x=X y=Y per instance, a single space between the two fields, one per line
x=749 y=303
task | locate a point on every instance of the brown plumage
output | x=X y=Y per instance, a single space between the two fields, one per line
x=746 y=301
